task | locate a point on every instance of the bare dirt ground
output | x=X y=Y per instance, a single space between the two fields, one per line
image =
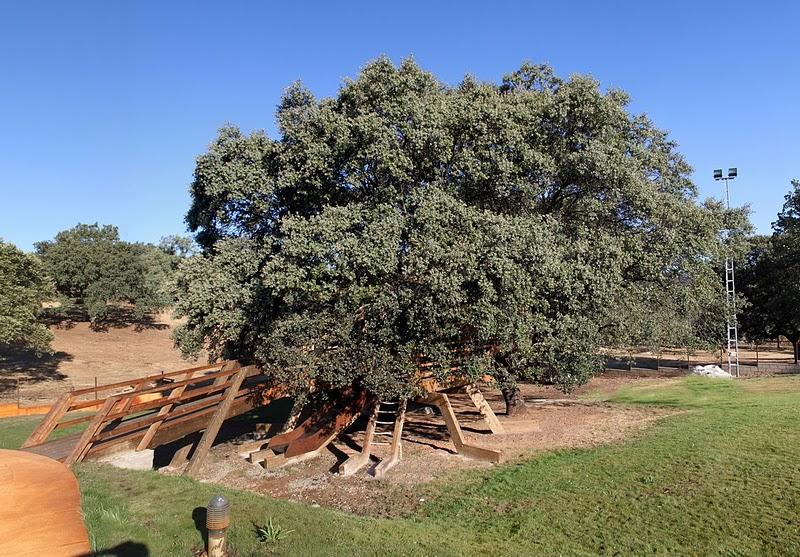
x=119 y=350
x=123 y=350
x=554 y=421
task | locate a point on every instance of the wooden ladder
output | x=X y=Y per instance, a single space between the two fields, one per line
x=386 y=423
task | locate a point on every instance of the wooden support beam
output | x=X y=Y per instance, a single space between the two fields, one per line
x=285 y=439
x=483 y=407
x=210 y=434
x=326 y=430
x=451 y=421
x=396 y=454
x=181 y=455
x=50 y=421
x=272 y=461
x=151 y=431
x=246 y=449
x=357 y=461
x=91 y=430
x=259 y=455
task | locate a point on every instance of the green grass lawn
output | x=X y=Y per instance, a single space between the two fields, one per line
x=720 y=478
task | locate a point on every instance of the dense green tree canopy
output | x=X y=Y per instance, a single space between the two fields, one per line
x=23 y=288
x=770 y=278
x=533 y=216
x=91 y=265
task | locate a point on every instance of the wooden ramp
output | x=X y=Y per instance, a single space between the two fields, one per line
x=151 y=411
x=315 y=433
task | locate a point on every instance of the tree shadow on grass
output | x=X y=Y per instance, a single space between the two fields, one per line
x=27 y=367
x=125 y=549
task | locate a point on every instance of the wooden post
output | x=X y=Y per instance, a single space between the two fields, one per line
x=162 y=413
x=210 y=434
x=756 y=356
x=483 y=407
x=181 y=455
x=688 y=360
x=358 y=461
x=451 y=421
x=49 y=422
x=83 y=444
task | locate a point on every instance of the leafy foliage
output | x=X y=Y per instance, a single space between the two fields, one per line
x=533 y=217
x=271 y=532
x=770 y=281
x=90 y=264
x=23 y=288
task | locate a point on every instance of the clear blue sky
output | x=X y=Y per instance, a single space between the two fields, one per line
x=105 y=105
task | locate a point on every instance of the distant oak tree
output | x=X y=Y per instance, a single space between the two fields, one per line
x=770 y=279
x=24 y=286
x=92 y=267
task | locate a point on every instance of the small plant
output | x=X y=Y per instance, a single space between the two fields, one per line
x=271 y=532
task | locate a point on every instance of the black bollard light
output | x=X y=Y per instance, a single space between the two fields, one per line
x=218 y=518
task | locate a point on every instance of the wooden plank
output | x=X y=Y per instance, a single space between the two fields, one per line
x=180 y=456
x=74 y=421
x=57 y=449
x=49 y=422
x=210 y=434
x=162 y=413
x=125 y=407
x=396 y=454
x=219 y=385
x=274 y=461
x=141 y=422
x=86 y=437
x=327 y=429
x=357 y=461
x=285 y=439
x=171 y=430
x=483 y=407
x=148 y=379
x=189 y=409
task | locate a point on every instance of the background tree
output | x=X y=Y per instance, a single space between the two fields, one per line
x=770 y=279
x=94 y=268
x=178 y=246
x=404 y=216
x=23 y=288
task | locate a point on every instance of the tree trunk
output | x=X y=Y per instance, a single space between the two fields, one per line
x=795 y=340
x=515 y=404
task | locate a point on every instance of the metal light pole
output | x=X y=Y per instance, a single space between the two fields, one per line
x=730 y=286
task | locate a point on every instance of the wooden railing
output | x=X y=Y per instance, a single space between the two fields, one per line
x=155 y=409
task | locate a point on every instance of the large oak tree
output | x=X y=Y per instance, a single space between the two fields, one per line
x=533 y=216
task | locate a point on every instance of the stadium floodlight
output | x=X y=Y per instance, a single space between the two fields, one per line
x=732 y=326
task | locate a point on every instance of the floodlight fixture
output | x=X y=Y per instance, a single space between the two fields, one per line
x=718 y=174
x=732 y=173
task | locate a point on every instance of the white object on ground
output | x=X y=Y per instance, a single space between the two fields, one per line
x=131 y=460
x=711 y=371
